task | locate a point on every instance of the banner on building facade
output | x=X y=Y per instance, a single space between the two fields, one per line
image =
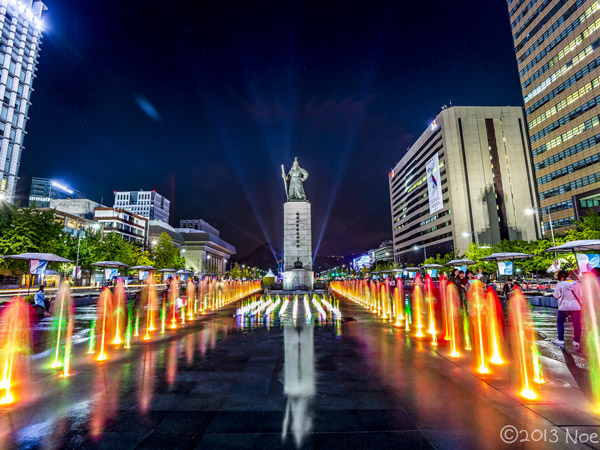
x=434 y=184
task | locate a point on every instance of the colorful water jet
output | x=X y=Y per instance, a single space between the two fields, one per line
x=523 y=344
x=190 y=299
x=591 y=333
x=399 y=303
x=495 y=320
x=477 y=310
x=417 y=305
x=104 y=311
x=453 y=318
x=430 y=301
x=173 y=297
x=15 y=347
x=120 y=300
x=149 y=301
x=62 y=312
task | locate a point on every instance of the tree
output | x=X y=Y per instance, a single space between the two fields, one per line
x=89 y=250
x=140 y=257
x=442 y=260
x=29 y=230
x=541 y=259
x=166 y=256
x=475 y=253
x=236 y=272
x=588 y=227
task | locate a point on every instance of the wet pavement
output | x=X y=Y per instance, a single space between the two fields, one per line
x=357 y=384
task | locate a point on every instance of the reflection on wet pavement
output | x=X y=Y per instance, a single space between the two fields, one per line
x=299 y=384
x=272 y=382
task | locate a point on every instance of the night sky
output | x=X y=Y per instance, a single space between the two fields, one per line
x=204 y=100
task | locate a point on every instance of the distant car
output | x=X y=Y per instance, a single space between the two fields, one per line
x=529 y=285
x=547 y=285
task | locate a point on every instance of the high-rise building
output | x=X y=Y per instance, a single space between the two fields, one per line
x=468 y=178
x=383 y=253
x=131 y=227
x=149 y=204
x=198 y=224
x=557 y=45
x=44 y=190
x=20 y=38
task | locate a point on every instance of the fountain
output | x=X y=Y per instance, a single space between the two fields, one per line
x=173 y=296
x=495 y=319
x=103 y=315
x=417 y=306
x=15 y=347
x=477 y=310
x=523 y=345
x=399 y=303
x=62 y=312
x=120 y=301
x=191 y=301
x=430 y=301
x=149 y=301
x=443 y=291
x=453 y=318
x=591 y=333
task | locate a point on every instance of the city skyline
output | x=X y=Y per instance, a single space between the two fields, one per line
x=248 y=94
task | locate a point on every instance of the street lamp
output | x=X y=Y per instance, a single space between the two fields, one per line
x=473 y=233
x=532 y=211
x=416 y=248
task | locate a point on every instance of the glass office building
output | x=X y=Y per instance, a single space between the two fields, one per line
x=21 y=33
x=44 y=189
x=557 y=44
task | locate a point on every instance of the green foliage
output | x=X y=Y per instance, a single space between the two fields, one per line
x=166 y=256
x=29 y=230
x=236 y=272
x=383 y=265
x=475 y=253
x=441 y=260
x=541 y=259
x=588 y=227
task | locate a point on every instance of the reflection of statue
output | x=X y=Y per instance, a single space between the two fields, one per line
x=296 y=178
x=299 y=381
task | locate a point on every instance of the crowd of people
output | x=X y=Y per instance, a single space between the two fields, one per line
x=567 y=293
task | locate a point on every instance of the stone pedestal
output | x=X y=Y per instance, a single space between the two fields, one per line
x=297 y=246
x=298 y=280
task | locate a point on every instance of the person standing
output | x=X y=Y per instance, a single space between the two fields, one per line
x=470 y=278
x=40 y=302
x=506 y=289
x=568 y=297
x=454 y=278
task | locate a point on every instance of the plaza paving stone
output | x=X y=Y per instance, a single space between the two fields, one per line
x=217 y=385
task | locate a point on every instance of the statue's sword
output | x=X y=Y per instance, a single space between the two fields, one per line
x=284 y=182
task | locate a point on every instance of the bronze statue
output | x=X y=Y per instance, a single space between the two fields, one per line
x=296 y=178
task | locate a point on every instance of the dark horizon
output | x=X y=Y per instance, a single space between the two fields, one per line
x=204 y=102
